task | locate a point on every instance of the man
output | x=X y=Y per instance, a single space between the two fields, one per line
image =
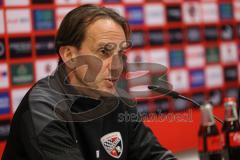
x=74 y=114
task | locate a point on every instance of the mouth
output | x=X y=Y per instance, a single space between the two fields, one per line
x=113 y=80
x=110 y=82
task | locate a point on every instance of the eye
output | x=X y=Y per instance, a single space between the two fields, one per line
x=104 y=52
x=110 y=46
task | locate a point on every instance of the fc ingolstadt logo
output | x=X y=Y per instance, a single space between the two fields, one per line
x=112 y=143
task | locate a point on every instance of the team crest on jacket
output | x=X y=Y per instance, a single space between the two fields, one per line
x=112 y=143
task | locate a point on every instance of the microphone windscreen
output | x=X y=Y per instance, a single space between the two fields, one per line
x=164 y=91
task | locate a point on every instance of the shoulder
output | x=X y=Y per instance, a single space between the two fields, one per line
x=37 y=106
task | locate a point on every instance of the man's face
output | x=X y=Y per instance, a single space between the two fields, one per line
x=103 y=39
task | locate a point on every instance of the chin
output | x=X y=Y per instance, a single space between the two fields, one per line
x=109 y=90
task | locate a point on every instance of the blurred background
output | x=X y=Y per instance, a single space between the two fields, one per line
x=197 y=40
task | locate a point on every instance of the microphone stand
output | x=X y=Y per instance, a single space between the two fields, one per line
x=175 y=94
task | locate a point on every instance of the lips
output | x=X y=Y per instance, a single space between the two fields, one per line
x=111 y=79
x=110 y=82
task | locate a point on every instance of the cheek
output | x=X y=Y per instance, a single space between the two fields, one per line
x=90 y=71
x=92 y=66
x=88 y=74
x=104 y=70
x=80 y=71
x=85 y=74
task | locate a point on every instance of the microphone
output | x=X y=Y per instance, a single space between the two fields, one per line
x=176 y=95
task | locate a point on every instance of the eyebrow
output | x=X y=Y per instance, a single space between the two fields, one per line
x=96 y=46
x=101 y=44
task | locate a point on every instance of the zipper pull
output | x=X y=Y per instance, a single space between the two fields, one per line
x=97 y=154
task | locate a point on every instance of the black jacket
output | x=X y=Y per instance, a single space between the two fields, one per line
x=37 y=132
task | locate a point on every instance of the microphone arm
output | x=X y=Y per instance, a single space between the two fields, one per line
x=176 y=95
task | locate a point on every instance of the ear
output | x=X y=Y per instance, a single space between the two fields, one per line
x=68 y=53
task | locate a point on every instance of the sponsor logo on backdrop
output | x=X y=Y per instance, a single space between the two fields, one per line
x=134 y=15
x=199 y=97
x=133 y=1
x=111 y=1
x=238 y=30
x=174 y=14
x=42 y=1
x=45 y=45
x=210 y=12
x=177 y=58
x=138 y=56
x=166 y=1
x=212 y=54
x=17 y=2
x=4 y=129
x=22 y=73
x=45 y=67
x=60 y=13
x=2 y=28
x=214 y=76
x=215 y=96
x=197 y=78
x=175 y=35
x=136 y=85
x=152 y=0
x=137 y=38
x=117 y=8
x=20 y=47
x=180 y=104
x=156 y=37
x=239 y=72
x=18 y=20
x=211 y=33
x=227 y=32
x=159 y=56
x=43 y=19
x=191 y=12
x=142 y=107
x=195 y=56
x=162 y=105
x=154 y=14
x=232 y=92
x=2 y=49
x=17 y=96
x=3 y=76
x=90 y=1
x=230 y=73
x=4 y=103
x=226 y=11
x=179 y=79
x=66 y=2
x=236 y=5
x=193 y=34
x=229 y=52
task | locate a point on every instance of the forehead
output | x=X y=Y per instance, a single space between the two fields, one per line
x=105 y=31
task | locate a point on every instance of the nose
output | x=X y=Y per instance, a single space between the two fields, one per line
x=116 y=65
